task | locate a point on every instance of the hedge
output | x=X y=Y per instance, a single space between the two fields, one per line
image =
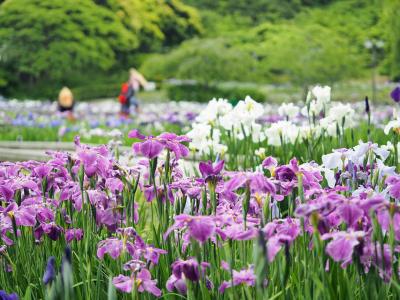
x=201 y=93
x=97 y=91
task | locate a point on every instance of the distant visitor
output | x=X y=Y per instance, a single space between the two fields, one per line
x=129 y=91
x=66 y=101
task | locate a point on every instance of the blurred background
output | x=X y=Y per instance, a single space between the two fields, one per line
x=197 y=49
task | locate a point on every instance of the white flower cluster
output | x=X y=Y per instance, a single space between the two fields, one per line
x=317 y=100
x=239 y=122
x=205 y=134
x=392 y=125
x=288 y=110
x=340 y=116
x=282 y=131
x=219 y=115
x=338 y=159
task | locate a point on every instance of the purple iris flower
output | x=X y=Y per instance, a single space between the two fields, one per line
x=134 y=265
x=186 y=269
x=97 y=197
x=22 y=182
x=135 y=134
x=342 y=245
x=237 y=232
x=52 y=230
x=129 y=242
x=245 y=277
x=269 y=163
x=257 y=182
x=395 y=94
x=260 y=183
x=281 y=232
x=6 y=192
x=114 y=185
x=5 y=296
x=285 y=174
x=190 y=268
x=115 y=247
x=393 y=183
x=96 y=160
x=384 y=218
x=152 y=254
x=201 y=228
x=174 y=142
x=151 y=146
x=50 y=272
x=73 y=234
x=150 y=194
x=189 y=187
x=178 y=284
x=350 y=212
x=237 y=181
x=24 y=216
x=42 y=170
x=209 y=170
x=142 y=280
x=89 y=160
x=109 y=216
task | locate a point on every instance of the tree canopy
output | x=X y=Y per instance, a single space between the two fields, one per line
x=42 y=40
x=49 y=42
x=157 y=23
x=322 y=44
x=49 y=38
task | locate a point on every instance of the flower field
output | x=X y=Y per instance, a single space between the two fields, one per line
x=94 y=122
x=280 y=202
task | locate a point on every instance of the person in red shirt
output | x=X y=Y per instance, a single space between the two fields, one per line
x=129 y=90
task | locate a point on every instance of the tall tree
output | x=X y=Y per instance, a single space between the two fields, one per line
x=157 y=23
x=392 y=18
x=50 y=39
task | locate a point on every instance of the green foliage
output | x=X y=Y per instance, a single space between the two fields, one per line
x=204 y=60
x=319 y=45
x=201 y=93
x=257 y=10
x=157 y=23
x=97 y=91
x=45 y=44
x=305 y=55
x=392 y=21
x=51 y=39
x=87 y=85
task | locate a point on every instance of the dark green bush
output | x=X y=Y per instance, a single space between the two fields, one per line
x=97 y=91
x=201 y=93
x=83 y=91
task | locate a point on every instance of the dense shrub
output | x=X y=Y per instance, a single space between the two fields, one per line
x=392 y=21
x=157 y=23
x=257 y=10
x=45 y=43
x=319 y=45
x=203 y=60
x=44 y=40
x=202 y=93
x=97 y=91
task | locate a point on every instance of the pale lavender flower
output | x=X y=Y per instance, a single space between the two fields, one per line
x=73 y=234
x=200 y=228
x=142 y=281
x=242 y=277
x=342 y=245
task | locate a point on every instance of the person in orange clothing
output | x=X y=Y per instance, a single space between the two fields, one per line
x=129 y=90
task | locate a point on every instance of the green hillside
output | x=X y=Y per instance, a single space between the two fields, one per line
x=90 y=45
